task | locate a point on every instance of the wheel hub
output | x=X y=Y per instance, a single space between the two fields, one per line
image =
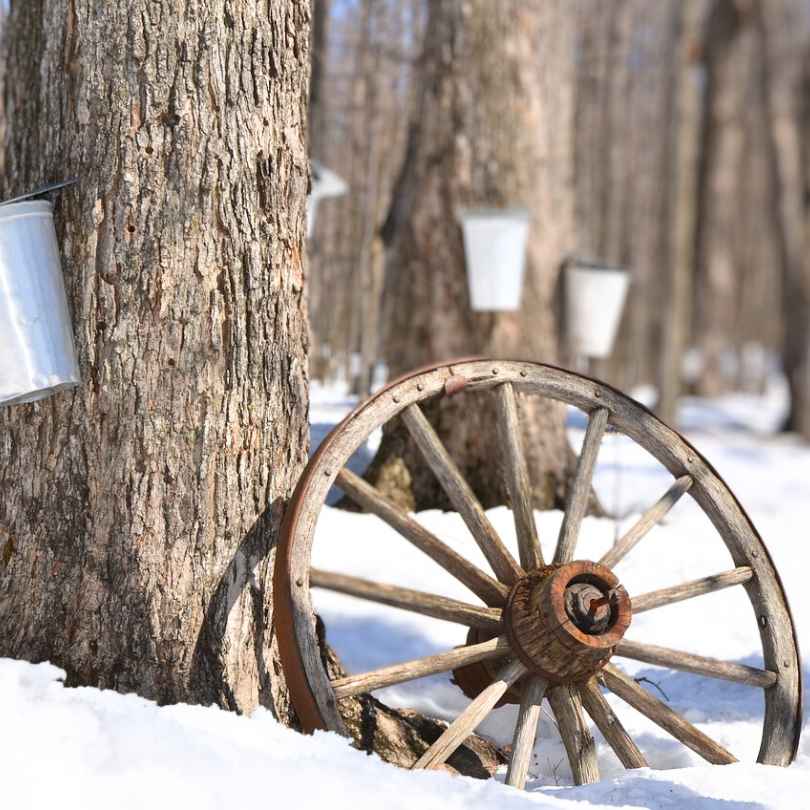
x=562 y=621
x=563 y=624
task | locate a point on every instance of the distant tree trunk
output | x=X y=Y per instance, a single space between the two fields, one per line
x=492 y=128
x=677 y=317
x=718 y=193
x=138 y=514
x=786 y=150
x=797 y=333
x=320 y=39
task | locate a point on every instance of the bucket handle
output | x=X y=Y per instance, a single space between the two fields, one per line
x=39 y=192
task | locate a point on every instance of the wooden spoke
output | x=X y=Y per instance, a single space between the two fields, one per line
x=689 y=590
x=510 y=437
x=525 y=731
x=420 y=667
x=428 y=604
x=480 y=583
x=710 y=667
x=460 y=495
x=683 y=731
x=581 y=488
x=576 y=736
x=464 y=725
x=612 y=730
x=652 y=516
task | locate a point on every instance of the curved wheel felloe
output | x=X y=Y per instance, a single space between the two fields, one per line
x=547 y=629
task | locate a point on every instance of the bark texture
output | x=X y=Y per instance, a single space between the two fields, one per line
x=492 y=127
x=138 y=514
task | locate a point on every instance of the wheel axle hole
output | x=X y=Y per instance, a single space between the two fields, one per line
x=590 y=607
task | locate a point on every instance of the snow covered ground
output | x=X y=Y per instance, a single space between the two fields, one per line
x=85 y=748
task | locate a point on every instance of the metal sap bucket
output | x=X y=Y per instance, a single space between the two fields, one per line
x=495 y=252
x=325 y=183
x=37 y=356
x=594 y=300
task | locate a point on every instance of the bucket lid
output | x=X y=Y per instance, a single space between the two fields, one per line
x=38 y=192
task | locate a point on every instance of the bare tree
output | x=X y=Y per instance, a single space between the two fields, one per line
x=785 y=120
x=683 y=187
x=138 y=514
x=492 y=126
x=727 y=60
x=363 y=103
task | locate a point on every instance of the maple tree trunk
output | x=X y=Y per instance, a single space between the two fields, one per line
x=138 y=513
x=786 y=154
x=492 y=127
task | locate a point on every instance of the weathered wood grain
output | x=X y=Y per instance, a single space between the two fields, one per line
x=689 y=590
x=575 y=734
x=700 y=665
x=516 y=475
x=479 y=582
x=612 y=730
x=525 y=731
x=581 y=488
x=420 y=667
x=428 y=604
x=460 y=495
x=683 y=731
x=624 y=545
x=471 y=717
x=783 y=704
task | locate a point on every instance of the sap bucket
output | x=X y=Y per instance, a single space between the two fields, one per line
x=325 y=183
x=495 y=251
x=37 y=356
x=594 y=301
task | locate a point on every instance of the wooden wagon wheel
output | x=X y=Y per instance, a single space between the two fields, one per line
x=548 y=628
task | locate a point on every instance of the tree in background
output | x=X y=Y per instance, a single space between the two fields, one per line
x=138 y=513
x=631 y=62
x=783 y=96
x=683 y=187
x=361 y=102
x=491 y=127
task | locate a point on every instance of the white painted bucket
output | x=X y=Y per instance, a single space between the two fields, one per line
x=594 y=300
x=495 y=251
x=325 y=183
x=37 y=356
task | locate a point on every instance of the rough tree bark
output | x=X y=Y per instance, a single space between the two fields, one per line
x=492 y=127
x=138 y=514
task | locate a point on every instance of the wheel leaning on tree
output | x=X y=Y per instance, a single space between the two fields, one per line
x=549 y=629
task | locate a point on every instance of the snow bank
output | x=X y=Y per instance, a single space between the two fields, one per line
x=82 y=749
x=86 y=748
